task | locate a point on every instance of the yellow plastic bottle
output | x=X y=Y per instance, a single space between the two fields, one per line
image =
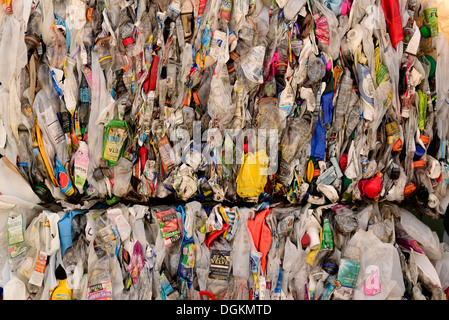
x=62 y=291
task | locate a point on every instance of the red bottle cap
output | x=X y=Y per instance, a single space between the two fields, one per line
x=305 y=240
x=127 y=41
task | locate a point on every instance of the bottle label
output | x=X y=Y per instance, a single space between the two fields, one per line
x=252 y=66
x=81 y=166
x=114 y=142
x=233 y=220
x=372 y=282
x=431 y=17
x=15 y=236
x=217 y=44
x=61 y=296
x=166 y=152
x=185 y=269
x=123 y=227
x=100 y=291
x=88 y=74
x=327 y=242
x=286 y=100
x=166 y=287
x=220 y=264
x=168 y=223
x=84 y=95
x=201 y=7
x=225 y=9
x=348 y=272
x=278 y=289
x=322 y=28
x=39 y=270
x=53 y=126
x=15 y=230
x=366 y=86
x=175 y=5
x=392 y=130
x=69 y=97
x=63 y=179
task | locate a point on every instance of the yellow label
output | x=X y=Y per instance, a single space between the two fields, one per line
x=114 y=143
x=61 y=296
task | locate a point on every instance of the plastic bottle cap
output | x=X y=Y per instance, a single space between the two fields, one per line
x=425 y=31
x=419 y=152
x=343 y=161
x=419 y=164
x=409 y=189
x=127 y=41
x=195 y=98
x=398 y=145
x=305 y=240
x=424 y=139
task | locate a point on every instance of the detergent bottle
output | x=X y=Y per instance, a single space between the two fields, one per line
x=62 y=291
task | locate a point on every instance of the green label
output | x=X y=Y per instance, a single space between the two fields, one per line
x=327 y=242
x=431 y=17
x=15 y=230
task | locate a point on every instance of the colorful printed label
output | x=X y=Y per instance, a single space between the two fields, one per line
x=431 y=17
x=220 y=264
x=348 y=273
x=63 y=179
x=15 y=230
x=372 y=283
x=115 y=138
x=168 y=223
x=100 y=291
x=81 y=166
x=37 y=277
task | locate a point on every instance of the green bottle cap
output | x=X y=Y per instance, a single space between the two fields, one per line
x=425 y=31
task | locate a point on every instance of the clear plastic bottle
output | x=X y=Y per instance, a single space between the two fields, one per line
x=49 y=123
x=249 y=68
x=296 y=137
x=33 y=36
x=281 y=67
x=57 y=48
x=344 y=96
x=103 y=49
